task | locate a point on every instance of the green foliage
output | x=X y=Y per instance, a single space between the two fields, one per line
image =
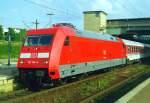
x=102 y=84
x=12 y=33
x=15 y=49
x=1 y=32
x=1 y=92
x=16 y=43
x=60 y=99
x=22 y=33
x=16 y=36
x=91 y=87
x=87 y=88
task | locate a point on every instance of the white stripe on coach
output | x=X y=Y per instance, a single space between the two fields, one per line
x=25 y=55
x=43 y=55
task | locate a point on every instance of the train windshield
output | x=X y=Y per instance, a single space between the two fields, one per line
x=38 y=40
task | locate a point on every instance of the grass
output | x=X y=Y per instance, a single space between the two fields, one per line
x=98 y=85
x=15 y=49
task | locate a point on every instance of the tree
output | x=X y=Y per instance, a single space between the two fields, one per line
x=22 y=34
x=1 y=32
x=10 y=32
x=16 y=36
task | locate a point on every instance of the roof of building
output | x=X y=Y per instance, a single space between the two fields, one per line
x=86 y=12
x=127 y=19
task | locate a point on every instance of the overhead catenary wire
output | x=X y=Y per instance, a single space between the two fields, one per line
x=68 y=13
x=49 y=23
x=134 y=7
x=126 y=7
x=72 y=10
x=62 y=11
x=26 y=25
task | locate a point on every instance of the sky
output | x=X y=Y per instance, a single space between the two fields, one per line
x=22 y=13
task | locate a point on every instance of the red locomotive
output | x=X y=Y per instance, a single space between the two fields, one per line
x=61 y=52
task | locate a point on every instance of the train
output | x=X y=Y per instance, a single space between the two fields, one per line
x=60 y=52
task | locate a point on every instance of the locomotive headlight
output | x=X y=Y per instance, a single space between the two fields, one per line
x=21 y=61
x=45 y=62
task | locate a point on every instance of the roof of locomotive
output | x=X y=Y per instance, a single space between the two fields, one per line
x=87 y=34
x=95 y=35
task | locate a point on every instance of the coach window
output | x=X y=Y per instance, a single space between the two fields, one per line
x=129 y=49
x=135 y=49
x=132 y=49
x=67 y=41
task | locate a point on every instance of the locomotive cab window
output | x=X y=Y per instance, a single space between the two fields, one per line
x=67 y=41
x=38 y=40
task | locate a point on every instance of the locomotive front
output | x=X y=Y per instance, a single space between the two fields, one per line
x=39 y=58
x=33 y=61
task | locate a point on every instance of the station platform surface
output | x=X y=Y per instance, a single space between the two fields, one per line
x=140 y=94
x=8 y=71
x=6 y=84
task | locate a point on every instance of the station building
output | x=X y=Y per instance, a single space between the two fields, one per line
x=95 y=21
x=137 y=29
x=121 y=26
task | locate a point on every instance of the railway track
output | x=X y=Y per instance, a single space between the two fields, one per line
x=112 y=94
x=14 y=95
x=78 y=91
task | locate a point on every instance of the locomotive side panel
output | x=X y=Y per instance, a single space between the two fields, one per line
x=90 y=54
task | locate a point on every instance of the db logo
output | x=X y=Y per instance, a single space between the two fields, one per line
x=34 y=55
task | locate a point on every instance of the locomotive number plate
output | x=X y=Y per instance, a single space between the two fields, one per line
x=34 y=55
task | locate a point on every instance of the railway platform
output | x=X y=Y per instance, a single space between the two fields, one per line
x=4 y=62
x=6 y=84
x=140 y=94
x=8 y=70
x=7 y=74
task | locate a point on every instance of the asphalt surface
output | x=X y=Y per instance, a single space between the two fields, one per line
x=8 y=71
x=140 y=94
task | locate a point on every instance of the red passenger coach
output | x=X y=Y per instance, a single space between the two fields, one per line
x=136 y=51
x=62 y=52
